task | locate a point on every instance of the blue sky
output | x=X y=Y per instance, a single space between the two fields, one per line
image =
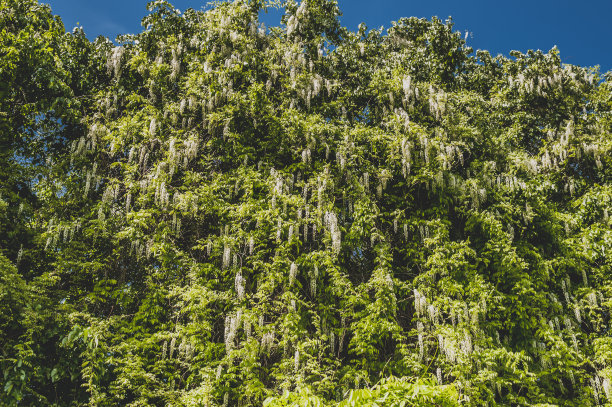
x=582 y=30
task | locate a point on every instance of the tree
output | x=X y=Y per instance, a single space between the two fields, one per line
x=229 y=214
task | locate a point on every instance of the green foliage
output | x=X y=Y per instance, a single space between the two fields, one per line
x=212 y=212
x=390 y=392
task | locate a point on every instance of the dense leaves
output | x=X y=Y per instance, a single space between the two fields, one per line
x=212 y=212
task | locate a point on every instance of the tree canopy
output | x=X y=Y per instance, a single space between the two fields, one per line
x=217 y=213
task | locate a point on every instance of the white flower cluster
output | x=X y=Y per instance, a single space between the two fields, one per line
x=539 y=84
x=406 y=157
x=110 y=194
x=113 y=63
x=448 y=348
x=162 y=196
x=577 y=313
x=570 y=186
x=411 y=92
x=545 y=361
x=176 y=62
x=293 y=23
x=306 y=156
x=466 y=344
x=279 y=182
x=437 y=102
x=19 y=255
x=599 y=391
x=423 y=231
x=432 y=313
x=606 y=387
x=331 y=222
x=425 y=146
x=140 y=249
x=313 y=286
x=279 y=230
x=56 y=233
x=267 y=341
x=227 y=256
x=384 y=178
x=510 y=182
x=313 y=280
x=293 y=270
x=153 y=127
x=247 y=328
x=232 y=323
x=251 y=245
x=90 y=141
x=239 y=285
x=219 y=372
x=478 y=195
x=172 y=347
x=592 y=299
x=565 y=291
x=448 y=154
x=420 y=329
x=176 y=224
x=402 y=118
x=595 y=151
x=185 y=350
x=420 y=303
x=341 y=160
x=290 y=234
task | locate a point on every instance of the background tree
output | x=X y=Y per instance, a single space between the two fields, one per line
x=222 y=214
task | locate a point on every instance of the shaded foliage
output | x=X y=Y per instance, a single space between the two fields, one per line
x=212 y=212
